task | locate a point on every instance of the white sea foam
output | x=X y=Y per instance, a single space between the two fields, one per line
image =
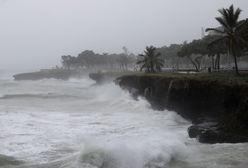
x=75 y=124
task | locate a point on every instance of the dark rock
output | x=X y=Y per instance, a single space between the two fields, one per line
x=212 y=137
x=212 y=133
x=98 y=77
x=194 y=131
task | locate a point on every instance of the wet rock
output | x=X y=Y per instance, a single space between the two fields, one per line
x=194 y=131
x=212 y=137
x=98 y=77
x=212 y=134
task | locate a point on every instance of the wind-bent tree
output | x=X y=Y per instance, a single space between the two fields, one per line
x=151 y=60
x=194 y=51
x=230 y=32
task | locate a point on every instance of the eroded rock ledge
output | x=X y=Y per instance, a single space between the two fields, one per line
x=218 y=110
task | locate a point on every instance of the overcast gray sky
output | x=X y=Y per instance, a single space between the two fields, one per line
x=35 y=33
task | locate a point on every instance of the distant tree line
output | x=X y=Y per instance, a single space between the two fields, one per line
x=93 y=61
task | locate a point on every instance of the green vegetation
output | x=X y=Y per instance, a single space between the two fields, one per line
x=115 y=73
x=151 y=61
x=231 y=32
x=217 y=76
x=223 y=77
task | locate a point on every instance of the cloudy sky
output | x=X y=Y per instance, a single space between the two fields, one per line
x=35 y=33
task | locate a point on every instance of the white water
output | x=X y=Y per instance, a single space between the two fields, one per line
x=74 y=124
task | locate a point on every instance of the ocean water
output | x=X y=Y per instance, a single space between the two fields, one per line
x=77 y=124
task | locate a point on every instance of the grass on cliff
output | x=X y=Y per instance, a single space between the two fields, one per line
x=214 y=76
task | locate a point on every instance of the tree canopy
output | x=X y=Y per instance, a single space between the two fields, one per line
x=232 y=32
x=151 y=60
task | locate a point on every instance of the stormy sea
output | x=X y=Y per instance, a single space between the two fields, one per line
x=77 y=124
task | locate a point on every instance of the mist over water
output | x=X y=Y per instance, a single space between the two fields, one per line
x=76 y=124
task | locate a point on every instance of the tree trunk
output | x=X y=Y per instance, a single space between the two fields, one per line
x=217 y=62
x=152 y=67
x=236 y=64
x=194 y=64
x=235 y=60
x=213 y=66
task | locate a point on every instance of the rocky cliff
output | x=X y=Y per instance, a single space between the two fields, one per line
x=217 y=109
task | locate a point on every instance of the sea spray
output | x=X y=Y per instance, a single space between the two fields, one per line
x=78 y=124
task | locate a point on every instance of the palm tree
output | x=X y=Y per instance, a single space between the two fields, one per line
x=151 y=61
x=230 y=31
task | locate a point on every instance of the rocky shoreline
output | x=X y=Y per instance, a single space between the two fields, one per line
x=63 y=74
x=218 y=110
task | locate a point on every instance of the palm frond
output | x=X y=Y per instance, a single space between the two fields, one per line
x=225 y=15
x=222 y=22
x=237 y=14
x=230 y=15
